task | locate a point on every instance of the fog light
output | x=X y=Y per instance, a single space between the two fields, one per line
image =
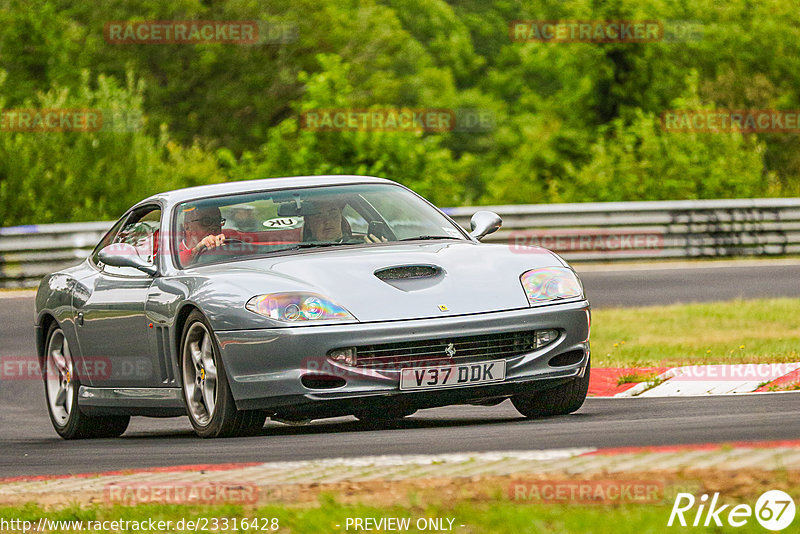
x=346 y=356
x=545 y=337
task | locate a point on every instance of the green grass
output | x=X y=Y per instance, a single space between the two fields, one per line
x=786 y=387
x=653 y=382
x=635 y=378
x=498 y=514
x=739 y=331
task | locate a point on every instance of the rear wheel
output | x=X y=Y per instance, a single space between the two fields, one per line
x=61 y=386
x=206 y=392
x=560 y=400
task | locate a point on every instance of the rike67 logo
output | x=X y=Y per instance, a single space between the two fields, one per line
x=774 y=510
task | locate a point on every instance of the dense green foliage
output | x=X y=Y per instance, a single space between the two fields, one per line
x=573 y=122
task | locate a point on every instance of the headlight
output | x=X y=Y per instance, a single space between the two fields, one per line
x=297 y=308
x=551 y=283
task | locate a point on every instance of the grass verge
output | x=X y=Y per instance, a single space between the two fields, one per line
x=738 y=331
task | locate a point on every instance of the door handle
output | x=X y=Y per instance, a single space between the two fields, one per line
x=79 y=319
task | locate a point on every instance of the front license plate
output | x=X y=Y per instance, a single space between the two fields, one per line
x=452 y=375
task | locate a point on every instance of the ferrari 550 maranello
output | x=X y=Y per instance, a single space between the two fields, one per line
x=304 y=298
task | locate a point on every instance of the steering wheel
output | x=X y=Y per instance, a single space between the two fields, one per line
x=228 y=242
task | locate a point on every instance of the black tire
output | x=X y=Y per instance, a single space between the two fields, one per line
x=560 y=400
x=72 y=423
x=223 y=419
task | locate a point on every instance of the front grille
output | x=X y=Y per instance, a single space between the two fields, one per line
x=432 y=352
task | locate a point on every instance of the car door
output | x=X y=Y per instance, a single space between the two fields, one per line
x=114 y=334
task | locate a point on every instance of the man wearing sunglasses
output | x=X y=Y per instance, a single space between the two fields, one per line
x=202 y=230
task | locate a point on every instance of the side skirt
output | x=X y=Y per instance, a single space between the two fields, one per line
x=153 y=402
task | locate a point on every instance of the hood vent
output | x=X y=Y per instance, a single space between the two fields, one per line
x=411 y=277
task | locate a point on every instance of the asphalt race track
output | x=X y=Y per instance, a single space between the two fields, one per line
x=30 y=446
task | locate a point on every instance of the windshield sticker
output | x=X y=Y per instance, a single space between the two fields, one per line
x=282 y=222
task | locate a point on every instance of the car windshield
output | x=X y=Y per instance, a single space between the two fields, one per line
x=235 y=226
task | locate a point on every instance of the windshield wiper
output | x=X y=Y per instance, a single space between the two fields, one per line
x=321 y=244
x=427 y=237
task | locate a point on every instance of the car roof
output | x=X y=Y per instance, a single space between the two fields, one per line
x=268 y=184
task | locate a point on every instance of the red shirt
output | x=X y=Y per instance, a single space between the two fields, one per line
x=275 y=237
x=185 y=253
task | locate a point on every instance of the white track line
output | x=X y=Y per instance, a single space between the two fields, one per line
x=24 y=294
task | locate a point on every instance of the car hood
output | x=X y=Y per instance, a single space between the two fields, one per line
x=456 y=278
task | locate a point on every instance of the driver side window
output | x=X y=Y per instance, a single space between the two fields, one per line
x=142 y=233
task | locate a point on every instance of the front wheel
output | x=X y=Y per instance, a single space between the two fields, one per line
x=61 y=386
x=206 y=392
x=560 y=400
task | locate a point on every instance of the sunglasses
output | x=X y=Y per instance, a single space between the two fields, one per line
x=209 y=222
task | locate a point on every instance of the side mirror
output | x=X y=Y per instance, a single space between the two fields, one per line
x=484 y=223
x=125 y=255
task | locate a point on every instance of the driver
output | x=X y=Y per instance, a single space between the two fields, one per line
x=202 y=229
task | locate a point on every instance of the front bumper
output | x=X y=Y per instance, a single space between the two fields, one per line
x=265 y=367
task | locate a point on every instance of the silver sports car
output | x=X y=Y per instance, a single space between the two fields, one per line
x=303 y=298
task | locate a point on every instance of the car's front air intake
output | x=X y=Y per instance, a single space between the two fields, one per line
x=407 y=271
x=446 y=351
x=411 y=277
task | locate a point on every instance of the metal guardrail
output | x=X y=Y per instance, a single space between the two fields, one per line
x=601 y=231
x=29 y=252
x=650 y=230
